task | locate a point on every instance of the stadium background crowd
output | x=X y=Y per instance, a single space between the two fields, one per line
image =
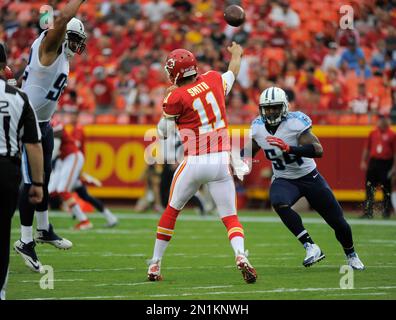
x=336 y=76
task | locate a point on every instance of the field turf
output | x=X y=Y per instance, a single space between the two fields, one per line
x=199 y=263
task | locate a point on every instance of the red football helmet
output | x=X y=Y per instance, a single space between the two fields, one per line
x=179 y=64
x=9 y=76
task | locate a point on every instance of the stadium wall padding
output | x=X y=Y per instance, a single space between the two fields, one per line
x=115 y=155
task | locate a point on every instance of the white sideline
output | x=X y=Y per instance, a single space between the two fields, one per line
x=271 y=219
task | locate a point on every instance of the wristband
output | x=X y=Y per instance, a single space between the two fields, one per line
x=37 y=184
x=307 y=151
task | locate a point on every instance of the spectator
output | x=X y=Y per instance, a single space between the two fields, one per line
x=103 y=90
x=155 y=10
x=363 y=102
x=332 y=58
x=283 y=13
x=352 y=55
x=378 y=163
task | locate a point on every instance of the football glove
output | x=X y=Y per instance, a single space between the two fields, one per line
x=240 y=166
x=277 y=142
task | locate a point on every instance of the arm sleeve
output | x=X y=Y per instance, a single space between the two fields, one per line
x=228 y=81
x=172 y=105
x=31 y=129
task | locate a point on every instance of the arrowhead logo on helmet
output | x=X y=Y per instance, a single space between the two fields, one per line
x=273 y=105
x=180 y=64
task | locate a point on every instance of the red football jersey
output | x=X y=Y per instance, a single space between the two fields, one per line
x=79 y=135
x=68 y=145
x=382 y=144
x=201 y=114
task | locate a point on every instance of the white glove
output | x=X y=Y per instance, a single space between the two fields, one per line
x=166 y=127
x=240 y=167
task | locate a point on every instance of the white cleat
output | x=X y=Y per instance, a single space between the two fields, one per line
x=314 y=254
x=248 y=272
x=354 y=261
x=111 y=222
x=154 y=270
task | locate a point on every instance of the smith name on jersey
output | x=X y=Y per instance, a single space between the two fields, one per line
x=44 y=84
x=285 y=165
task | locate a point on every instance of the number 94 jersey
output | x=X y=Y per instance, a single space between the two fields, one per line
x=44 y=84
x=201 y=115
x=285 y=165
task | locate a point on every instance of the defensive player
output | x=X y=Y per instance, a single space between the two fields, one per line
x=66 y=178
x=196 y=103
x=288 y=142
x=44 y=80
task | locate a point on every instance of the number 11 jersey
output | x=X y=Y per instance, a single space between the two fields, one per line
x=44 y=84
x=200 y=113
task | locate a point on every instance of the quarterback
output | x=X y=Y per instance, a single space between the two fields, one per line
x=196 y=104
x=288 y=142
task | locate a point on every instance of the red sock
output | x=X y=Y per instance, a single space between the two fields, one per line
x=167 y=223
x=233 y=226
x=65 y=196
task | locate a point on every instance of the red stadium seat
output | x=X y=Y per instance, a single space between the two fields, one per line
x=106 y=119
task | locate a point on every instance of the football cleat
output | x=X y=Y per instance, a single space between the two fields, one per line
x=83 y=225
x=112 y=221
x=154 y=270
x=248 y=272
x=314 y=254
x=354 y=261
x=50 y=237
x=28 y=254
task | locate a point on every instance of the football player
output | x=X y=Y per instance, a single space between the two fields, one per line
x=66 y=178
x=196 y=104
x=288 y=142
x=44 y=80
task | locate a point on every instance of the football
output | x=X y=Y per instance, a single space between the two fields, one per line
x=234 y=15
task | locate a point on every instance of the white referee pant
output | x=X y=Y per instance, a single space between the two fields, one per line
x=212 y=169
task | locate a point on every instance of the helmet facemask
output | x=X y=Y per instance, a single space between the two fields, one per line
x=273 y=113
x=75 y=43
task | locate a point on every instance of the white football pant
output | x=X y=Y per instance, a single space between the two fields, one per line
x=194 y=171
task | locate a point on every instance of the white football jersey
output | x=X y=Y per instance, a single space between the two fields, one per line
x=285 y=165
x=45 y=84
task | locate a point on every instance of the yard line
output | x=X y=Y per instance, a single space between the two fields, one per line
x=57 y=280
x=209 y=287
x=79 y=298
x=95 y=270
x=280 y=290
x=271 y=219
x=358 y=294
x=122 y=284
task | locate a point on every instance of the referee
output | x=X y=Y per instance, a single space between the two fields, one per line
x=18 y=124
x=379 y=153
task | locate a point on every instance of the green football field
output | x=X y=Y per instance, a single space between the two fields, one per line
x=199 y=263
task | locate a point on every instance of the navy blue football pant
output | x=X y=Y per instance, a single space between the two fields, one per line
x=26 y=209
x=83 y=194
x=284 y=193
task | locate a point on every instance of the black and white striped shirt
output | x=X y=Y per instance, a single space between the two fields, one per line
x=18 y=122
